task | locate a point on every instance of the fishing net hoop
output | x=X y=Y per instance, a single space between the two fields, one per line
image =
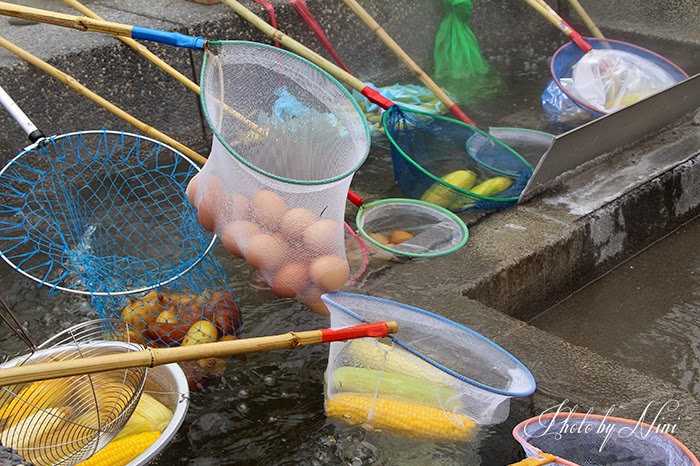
x=328 y=298
x=210 y=56
x=436 y=179
x=29 y=151
x=597 y=45
x=448 y=217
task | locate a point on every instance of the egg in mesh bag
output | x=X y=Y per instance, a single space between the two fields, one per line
x=275 y=191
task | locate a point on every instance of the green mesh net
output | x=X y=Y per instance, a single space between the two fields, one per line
x=460 y=67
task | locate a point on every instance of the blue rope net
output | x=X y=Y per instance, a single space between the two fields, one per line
x=99 y=212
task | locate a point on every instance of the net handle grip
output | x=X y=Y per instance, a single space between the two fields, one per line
x=83 y=23
x=20 y=117
x=548 y=13
x=151 y=357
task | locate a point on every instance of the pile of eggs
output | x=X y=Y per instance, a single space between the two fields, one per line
x=300 y=254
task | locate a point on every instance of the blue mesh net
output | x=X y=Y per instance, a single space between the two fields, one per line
x=99 y=212
x=426 y=148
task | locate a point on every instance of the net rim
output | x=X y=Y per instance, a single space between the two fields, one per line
x=327 y=298
x=141 y=289
x=435 y=178
x=524 y=442
x=592 y=41
x=446 y=213
x=250 y=165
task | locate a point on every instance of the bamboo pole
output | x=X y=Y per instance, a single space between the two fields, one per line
x=295 y=46
x=69 y=21
x=587 y=20
x=151 y=357
x=404 y=57
x=77 y=86
x=160 y=63
x=553 y=17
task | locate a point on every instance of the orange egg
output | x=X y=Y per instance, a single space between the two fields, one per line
x=191 y=190
x=324 y=237
x=268 y=209
x=290 y=280
x=237 y=207
x=312 y=298
x=295 y=222
x=330 y=272
x=210 y=195
x=236 y=235
x=205 y=217
x=266 y=253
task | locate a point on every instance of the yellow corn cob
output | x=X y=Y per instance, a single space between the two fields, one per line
x=372 y=354
x=444 y=196
x=490 y=187
x=38 y=395
x=121 y=452
x=40 y=422
x=149 y=415
x=401 y=417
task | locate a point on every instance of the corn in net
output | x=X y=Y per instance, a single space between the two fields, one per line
x=435 y=380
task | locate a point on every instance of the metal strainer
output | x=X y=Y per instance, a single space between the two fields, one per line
x=66 y=420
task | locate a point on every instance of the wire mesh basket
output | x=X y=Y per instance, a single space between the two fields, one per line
x=99 y=212
x=435 y=379
x=66 y=420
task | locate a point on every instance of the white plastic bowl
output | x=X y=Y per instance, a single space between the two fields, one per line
x=169 y=385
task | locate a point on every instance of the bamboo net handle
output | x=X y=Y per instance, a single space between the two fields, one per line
x=74 y=84
x=296 y=47
x=59 y=19
x=404 y=57
x=553 y=17
x=160 y=63
x=587 y=20
x=151 y=357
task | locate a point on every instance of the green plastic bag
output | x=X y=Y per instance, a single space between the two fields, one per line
x=460 y=66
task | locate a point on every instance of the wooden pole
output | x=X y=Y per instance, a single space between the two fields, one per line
x=404 y=57
x=151 y=357
x=587 y=20
x=75 y=85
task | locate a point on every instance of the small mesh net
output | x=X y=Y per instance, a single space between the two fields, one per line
x=611 y=76
x=99 y=212
x=435 y=380
x=591 y=440
x=452 y=164
x=198 y=307
x=288 y=139
x=411 y=228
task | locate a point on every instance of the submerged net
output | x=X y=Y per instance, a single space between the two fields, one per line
x=591 y=440
x=612 y=76
x=274 y=188
x=99 y=212
x=452 y=164
x=436 y=380
x=198 y=307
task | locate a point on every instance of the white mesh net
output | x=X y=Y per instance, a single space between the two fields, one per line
x=437 y=380
x=287 y=141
